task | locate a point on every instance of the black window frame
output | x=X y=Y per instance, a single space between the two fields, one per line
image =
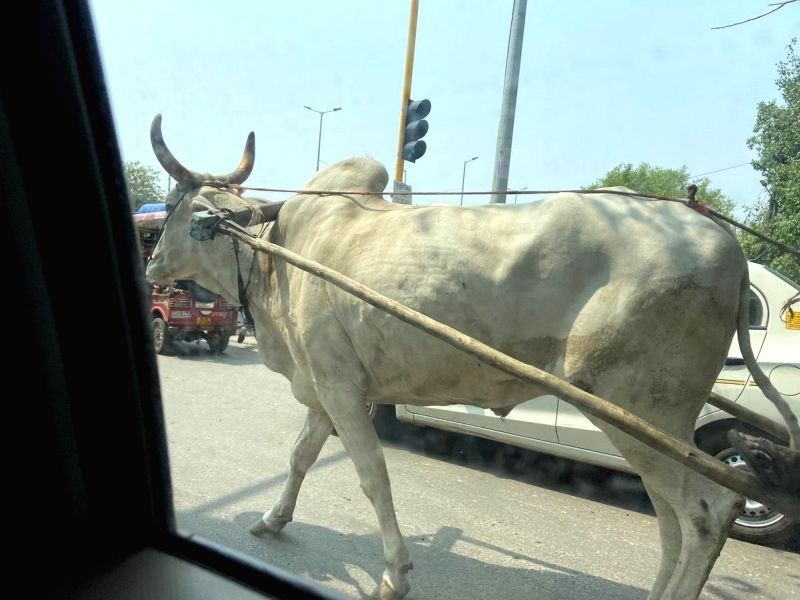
x=90 y=475
x=762 y=300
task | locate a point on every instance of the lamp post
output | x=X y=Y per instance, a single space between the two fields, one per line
x=463 y=175
x=321 y=112
x=519 y=190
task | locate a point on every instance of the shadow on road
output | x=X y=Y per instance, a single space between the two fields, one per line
x=327 y=556
x=510 y=462
x=235 y=354
x=582 y=480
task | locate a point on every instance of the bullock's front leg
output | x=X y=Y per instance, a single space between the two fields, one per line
x=306 y=449
x=358 y=435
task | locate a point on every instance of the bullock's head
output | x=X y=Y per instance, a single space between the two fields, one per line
x=179 y=256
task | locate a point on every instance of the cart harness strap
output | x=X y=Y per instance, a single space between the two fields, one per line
x=269 y=215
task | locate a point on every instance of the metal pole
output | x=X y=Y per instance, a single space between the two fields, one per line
x=319 y=139
x=502 y=159
x=463 y=175
x=412 y=39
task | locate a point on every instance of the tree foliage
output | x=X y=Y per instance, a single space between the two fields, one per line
x=777 y=141
x=142 y=185
x=660 y=181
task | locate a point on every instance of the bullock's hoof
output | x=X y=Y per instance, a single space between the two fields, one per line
x=394 y=590
x=268 y=525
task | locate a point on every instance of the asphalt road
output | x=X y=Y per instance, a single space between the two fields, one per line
x=481 y=520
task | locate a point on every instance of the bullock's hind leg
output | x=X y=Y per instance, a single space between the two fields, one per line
x=694 y=517
x=705 y=512
x=358 y=435
x=306 y=449
x=670 y=531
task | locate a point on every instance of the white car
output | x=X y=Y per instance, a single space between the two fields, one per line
x=553 y=426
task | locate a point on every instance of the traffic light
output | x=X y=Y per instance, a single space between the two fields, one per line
x=416 y=128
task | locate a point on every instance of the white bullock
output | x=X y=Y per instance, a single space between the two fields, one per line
x=634 y=300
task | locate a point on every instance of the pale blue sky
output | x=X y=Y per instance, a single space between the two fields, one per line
x=601 y=83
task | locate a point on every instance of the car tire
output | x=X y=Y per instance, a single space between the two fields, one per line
x=758 y=523
x=161 y=338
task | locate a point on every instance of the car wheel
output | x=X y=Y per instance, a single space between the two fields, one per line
x=758 y=524
x=161 y=337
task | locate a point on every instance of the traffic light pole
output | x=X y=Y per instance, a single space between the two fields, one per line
x=412 y=39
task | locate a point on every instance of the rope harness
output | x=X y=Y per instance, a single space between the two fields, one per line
x=241 y=285
x=691 y=202
x=223 y=214
x=786 y=309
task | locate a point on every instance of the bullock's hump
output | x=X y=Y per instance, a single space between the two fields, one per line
x=357 y=174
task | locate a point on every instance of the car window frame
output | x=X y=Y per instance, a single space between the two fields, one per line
x=765 y=312
x=94 y=482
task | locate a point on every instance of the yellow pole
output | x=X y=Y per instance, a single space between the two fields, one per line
x=412 y=38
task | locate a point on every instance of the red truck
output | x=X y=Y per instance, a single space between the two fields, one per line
x=182 y=310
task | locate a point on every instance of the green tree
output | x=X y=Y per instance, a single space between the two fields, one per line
x=142 y=184
x=777 y=141
x=659 y=181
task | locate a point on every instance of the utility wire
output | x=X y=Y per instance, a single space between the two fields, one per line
x=719 y=170
x=780 y=6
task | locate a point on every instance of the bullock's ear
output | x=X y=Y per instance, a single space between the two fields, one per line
x=199 y=204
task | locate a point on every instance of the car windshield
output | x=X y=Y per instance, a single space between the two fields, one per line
x=448 y=155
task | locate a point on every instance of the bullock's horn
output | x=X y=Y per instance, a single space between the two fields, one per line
x=245 y=167
x=175 y=169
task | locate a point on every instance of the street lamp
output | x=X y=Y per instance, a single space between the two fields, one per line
x=321 y=112
x=519 y=190
x=463 y=174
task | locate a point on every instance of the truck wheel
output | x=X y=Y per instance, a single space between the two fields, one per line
x=218 y=343
x=161 y=337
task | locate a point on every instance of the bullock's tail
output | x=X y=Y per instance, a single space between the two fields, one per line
x=743 y=334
